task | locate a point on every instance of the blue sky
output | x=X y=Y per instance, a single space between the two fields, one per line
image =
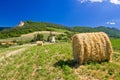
x=66 y=12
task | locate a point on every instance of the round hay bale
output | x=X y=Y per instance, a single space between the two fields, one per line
x=91 y=47
x=39 y=43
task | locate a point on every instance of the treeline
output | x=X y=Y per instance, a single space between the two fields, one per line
x=30 y=26
x=112 y=32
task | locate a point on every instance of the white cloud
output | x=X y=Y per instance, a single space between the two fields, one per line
x=111 y=23
x=82 y=1
x=96 y=0
x=115 y=1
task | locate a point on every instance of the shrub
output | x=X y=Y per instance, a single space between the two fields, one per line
x=38 y=37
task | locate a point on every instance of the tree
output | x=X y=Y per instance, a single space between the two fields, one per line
x=38 y=37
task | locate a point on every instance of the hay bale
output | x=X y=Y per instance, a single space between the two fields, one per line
x=91 y=47
x=39 y=43
x=3 y=43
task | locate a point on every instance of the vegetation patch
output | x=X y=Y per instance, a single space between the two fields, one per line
x=55 y=62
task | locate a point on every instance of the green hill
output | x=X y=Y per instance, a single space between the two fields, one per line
x=30 y=27
x=112 y=32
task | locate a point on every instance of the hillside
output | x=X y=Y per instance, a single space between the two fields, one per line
x=55 y=62
x=30 y=27
x=30 y=36
x=112 y=32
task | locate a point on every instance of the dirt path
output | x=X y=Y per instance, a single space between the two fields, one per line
x=18 y=51
x=12 y=53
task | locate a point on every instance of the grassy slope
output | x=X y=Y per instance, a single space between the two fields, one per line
x=116 y=44
x=54 y=62
x=39 y=63
x=31 y=27
x=4 y=51
x=112 y=32
x=30 y=36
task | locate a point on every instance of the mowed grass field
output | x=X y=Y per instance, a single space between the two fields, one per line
x=55 y=62
x=116 y=44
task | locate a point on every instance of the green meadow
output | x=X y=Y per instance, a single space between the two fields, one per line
x=55 y=62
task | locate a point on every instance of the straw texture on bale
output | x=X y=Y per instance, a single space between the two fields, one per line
x=91 y=47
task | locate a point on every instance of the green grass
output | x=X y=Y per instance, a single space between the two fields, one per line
x=3 y=51
x=116 y=44
x=101 y=71
x=55 y=62
x=60 y=30
x=40 y=63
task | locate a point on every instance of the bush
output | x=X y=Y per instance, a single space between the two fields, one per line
x=61 y=37
x=49 y=38
x=38 y=37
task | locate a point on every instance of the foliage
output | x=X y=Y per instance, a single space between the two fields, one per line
x=43 y=26
x=112 y=32
x=30 y=27
x=50 y=36
x=38 y=37
x=67 y=36
x=22 y=42
x=70 y=35
x=61 y=37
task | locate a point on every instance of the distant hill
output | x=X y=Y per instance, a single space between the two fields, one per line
x=112 y=32
x=30 y=27
x=1 y=28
